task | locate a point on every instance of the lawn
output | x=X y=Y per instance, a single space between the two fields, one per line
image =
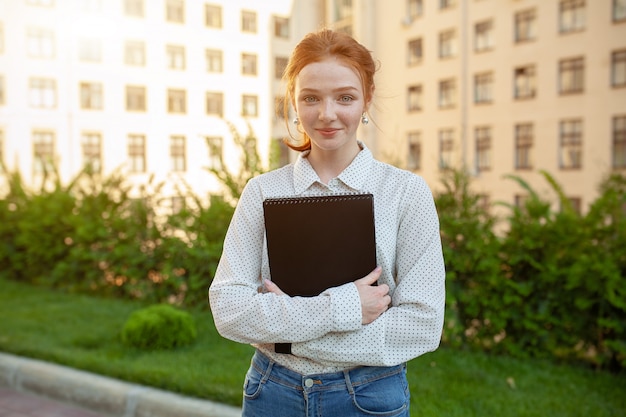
x=83 y=332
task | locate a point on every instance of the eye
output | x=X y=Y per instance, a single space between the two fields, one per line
x=309 y=99
x=346 y=99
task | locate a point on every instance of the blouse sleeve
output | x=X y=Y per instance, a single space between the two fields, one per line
x=413 y=324
x=245 y=314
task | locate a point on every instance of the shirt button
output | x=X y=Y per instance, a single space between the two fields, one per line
x=308 y=382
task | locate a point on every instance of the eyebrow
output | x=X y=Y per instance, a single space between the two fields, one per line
x=336 y=90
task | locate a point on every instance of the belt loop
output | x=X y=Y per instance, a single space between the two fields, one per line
x=346 y=375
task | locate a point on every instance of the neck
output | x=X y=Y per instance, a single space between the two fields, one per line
x=329 y=164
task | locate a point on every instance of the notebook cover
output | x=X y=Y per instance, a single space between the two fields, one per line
x=319 y=242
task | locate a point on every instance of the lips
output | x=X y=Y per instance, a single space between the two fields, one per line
x=328 y=132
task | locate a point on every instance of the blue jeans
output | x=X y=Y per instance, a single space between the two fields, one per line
x=271 y=390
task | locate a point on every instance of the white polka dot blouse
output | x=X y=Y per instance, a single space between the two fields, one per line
x=326 y=331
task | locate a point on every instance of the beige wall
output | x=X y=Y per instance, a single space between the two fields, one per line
x=596 y=105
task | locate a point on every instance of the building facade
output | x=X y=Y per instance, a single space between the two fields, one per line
x=503 y=88
x=150 y=86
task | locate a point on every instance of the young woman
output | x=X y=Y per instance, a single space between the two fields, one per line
x=349 y=345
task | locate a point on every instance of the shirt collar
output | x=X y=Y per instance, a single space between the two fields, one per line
x=353 y=176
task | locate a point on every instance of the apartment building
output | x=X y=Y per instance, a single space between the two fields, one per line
x=149 y=88
x=502 y=88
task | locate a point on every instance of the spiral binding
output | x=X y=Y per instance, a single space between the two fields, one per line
x=315 y=199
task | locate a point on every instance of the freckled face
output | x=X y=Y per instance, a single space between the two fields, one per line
x=329 y=101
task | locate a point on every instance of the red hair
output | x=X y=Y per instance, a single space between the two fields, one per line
x=317 y=46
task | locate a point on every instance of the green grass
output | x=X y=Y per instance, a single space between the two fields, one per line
x=83 y=332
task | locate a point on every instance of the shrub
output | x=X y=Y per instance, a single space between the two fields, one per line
x=159 y=326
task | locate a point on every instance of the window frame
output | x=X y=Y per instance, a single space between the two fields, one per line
x=571 y=144
x=524 y=141
x=571 y=76
x=91 y=95
x=525 y=26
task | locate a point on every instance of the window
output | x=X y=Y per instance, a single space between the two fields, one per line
x=445 y=4
x=136 y=153
x=571 y=146
x=414 y=161
x=414 y=8
x=619 y=142
x=214 y=145
x=525 y=26
x=177 y=153
x=213 y=16
x=40 y=43
x=135 y=53
x=483 y=38
x=175 y=11
x=414 y=98
x=248 y=21
x=135 y=98
x=2 y=93
x=175 y=57
x=91 y=96
x=577 y=204
x=248 y=64
x=90 y=50
x=571 y=76
x=343 y=9
x=483 y=148
x=249 y=105
x=415 y=51
x=42 y=93
x=280 y=63
x=215 y=104
x=43 y=151
x=447 y=93
x=91 y=144
x=619 y=10
x=520 y=201
x=133 y=8
x=176 y=101
x=447 y=44
x=571 y=15
x=483 y=88
x=214 y=60
x=446 y=148
x=524 y=82
x=618 y=68
x=281 y=27
x=523 y=146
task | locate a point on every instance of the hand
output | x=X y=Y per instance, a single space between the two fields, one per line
x=273 y=288
x=375 y=300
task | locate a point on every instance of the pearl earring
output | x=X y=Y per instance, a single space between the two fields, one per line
x=364 y=119
x=296 y=120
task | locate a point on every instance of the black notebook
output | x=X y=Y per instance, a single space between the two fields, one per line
x=319 y=242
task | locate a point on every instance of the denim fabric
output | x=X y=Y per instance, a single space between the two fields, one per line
x=273 y=390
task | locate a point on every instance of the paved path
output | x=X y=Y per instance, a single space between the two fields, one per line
x=19 y=404
x=31 y=388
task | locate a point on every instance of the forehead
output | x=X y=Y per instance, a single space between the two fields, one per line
x=331 y=73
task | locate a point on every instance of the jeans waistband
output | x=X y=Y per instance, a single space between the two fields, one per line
x=353 y=376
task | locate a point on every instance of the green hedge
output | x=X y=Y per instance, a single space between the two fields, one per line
x=551 y=284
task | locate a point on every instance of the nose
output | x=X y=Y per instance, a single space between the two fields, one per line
x=327 y=111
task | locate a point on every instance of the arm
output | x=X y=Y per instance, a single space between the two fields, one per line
x=413 y=324
x=244 y=314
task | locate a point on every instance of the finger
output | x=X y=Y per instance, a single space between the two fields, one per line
x=273 y=288
x=370 y=278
